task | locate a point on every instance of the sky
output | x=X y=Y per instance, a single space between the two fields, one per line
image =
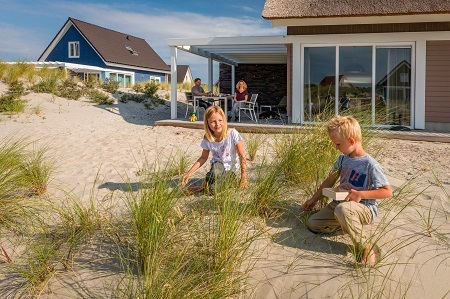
x=28 y=26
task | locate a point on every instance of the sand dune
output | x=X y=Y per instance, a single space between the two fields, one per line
x=100 y=144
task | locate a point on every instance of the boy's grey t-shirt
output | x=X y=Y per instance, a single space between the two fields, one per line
x=361 y=173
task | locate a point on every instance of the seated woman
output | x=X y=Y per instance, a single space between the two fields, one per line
x=240 y=96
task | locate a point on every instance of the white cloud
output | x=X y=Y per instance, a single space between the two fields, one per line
x=17 y=43
x=154 y=26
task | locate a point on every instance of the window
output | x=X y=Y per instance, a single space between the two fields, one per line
x=127 y=81
x=341 y=80
x=155 y=79
x=74 y=50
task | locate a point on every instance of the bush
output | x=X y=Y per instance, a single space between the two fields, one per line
x=48 y=84
x=69 y=89
x=9 y=103
x=100 y=98
x=110 y=86
x=137 y=87
x=150 y=89
x=16 y=89
x=138 y=98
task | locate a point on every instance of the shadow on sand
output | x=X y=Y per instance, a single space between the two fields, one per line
x=292 y=232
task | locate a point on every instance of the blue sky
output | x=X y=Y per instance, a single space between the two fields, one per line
x=27 y=26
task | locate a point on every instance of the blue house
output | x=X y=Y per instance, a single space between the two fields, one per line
x=92 y=51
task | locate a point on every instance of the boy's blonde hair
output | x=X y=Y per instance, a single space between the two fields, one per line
x=344 y=127
x=208 y=132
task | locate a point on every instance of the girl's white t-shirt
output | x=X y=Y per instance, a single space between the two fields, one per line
x=225 y=151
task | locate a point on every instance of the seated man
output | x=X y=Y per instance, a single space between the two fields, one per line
x=197 y=90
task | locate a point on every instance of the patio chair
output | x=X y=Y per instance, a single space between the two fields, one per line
x=282 y=104
x=189 y=100
x=249 y=107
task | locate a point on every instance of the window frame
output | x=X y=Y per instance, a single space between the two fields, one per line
x=75 y=46
x=374 y=46
x=155 y=79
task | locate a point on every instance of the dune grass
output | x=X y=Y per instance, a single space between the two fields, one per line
x=11 y=105
x=11 y=156
x=20 y=214
x=37 y=169
x=267 y=190
x=3 y=69
x=167 y=245
x=175 y=252
x=16 y=71
x=253 y=143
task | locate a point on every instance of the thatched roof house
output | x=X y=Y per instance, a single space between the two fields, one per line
x=287 y=9
x=331 y=37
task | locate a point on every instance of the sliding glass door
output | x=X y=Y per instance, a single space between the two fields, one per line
x=372 y=83
x=319 y=86
x=393 y=86
x=355 y=82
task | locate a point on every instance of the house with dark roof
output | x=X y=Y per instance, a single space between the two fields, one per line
x=343 y=81
x=403 y=44
x=184 y=74
x=91 y=50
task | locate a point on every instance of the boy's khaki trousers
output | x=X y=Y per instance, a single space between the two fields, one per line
x=349 y=215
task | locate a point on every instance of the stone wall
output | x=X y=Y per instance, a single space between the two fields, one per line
x=269 y=81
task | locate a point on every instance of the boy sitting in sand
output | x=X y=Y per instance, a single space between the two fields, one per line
x=362 y=177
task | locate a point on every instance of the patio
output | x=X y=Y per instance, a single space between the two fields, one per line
x=273 y=126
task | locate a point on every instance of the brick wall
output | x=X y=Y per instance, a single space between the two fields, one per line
x=269 y=81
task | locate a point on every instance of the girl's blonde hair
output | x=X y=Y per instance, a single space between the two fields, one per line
x=237 y=84
x=209 y=134
x=344 y=127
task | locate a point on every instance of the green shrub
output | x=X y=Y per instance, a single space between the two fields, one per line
x=69 y=89
x=138 y=98
x=100 y=98
x=10 y=104
x=150 y=89
x=138 y=87
x=92 y=83
x=48 y=84
x=157 y=101
x=110 y=86
x=16 y=89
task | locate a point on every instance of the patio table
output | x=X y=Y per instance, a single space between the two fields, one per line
x=213 y=100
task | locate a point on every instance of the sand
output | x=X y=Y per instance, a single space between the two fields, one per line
x=100 y=146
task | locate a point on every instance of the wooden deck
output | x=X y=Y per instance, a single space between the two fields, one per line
x=272 y=127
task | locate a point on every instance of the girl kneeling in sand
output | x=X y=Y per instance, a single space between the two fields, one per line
x=227 y=150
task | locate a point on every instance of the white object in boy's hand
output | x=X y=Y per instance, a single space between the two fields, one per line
x=335 y=193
